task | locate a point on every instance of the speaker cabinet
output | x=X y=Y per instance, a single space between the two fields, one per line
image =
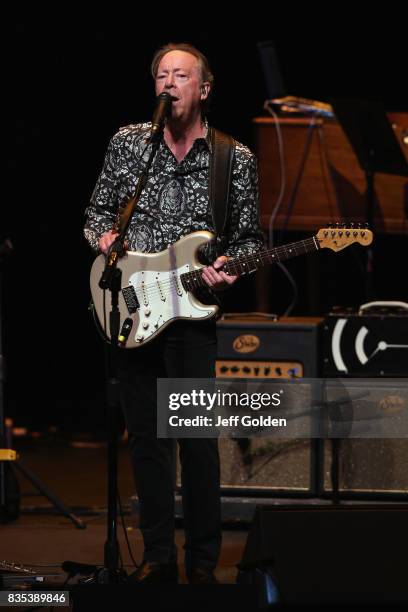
x=255 y=347
x=369 y=343
x=331 y=555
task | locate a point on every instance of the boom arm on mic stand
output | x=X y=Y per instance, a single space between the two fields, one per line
x=117 y=249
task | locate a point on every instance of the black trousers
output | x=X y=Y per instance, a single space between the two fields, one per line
x=184 y=350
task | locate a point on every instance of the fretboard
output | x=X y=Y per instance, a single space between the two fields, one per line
x=248 y=263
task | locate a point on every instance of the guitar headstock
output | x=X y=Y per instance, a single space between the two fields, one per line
x=339 y=236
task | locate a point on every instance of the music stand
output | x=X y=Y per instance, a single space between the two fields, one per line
x=377 y=149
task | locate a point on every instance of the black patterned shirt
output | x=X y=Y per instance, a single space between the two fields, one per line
x=175 y=200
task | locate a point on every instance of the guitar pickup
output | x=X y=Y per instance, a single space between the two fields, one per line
x=130 y=297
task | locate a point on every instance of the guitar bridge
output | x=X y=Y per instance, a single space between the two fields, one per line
x=130 y=297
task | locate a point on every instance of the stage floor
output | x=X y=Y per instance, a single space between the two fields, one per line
x=75 y=471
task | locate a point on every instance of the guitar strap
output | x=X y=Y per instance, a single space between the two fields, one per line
x=220 y=174
x=221 y=163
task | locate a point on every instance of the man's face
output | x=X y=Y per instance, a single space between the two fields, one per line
x=179 y=74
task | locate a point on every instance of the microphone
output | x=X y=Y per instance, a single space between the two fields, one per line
x=163 y=106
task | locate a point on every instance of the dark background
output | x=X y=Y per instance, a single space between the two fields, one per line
x=70 y=80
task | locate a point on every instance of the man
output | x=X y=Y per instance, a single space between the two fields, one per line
x=174 y=203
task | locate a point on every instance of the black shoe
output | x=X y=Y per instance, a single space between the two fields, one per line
x=200 y=575
x=151 y=572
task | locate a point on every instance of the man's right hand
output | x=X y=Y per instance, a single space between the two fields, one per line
x=106 y=240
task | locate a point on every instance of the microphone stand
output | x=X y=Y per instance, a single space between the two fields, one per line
x=111 y=279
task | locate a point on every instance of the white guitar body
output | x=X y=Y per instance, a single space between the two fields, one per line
x=157 y=288
x=155 y=279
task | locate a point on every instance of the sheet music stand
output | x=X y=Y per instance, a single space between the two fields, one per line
x=377 y=149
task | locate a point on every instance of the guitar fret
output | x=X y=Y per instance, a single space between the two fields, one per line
x=235 y=267
x=250 y=262
x=198 y=279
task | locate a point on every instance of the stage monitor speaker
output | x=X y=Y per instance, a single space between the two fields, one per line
x=258 y=347
x=331 y=555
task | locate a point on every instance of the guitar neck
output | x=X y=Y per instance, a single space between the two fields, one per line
x=249 y=263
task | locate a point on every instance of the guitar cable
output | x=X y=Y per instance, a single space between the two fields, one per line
x=292 y=282
x=122 y=516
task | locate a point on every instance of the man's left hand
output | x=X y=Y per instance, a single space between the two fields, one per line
x=217 y=279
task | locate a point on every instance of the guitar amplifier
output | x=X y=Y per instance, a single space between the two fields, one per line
x=369 y=342
x=251 y=346
x=260 y=347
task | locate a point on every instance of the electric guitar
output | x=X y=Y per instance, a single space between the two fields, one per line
x=158 y=288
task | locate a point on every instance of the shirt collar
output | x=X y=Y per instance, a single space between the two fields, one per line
x=207 y=136
x=205 y=140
